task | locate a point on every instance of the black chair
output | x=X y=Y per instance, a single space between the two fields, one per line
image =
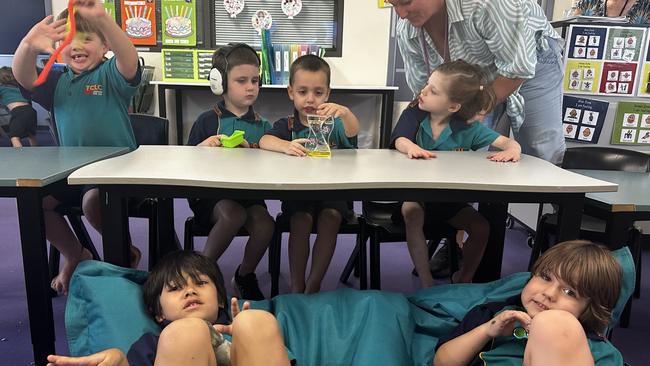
x=148 y=130
x=351 y=225
x=593 y=228
x=377 y=224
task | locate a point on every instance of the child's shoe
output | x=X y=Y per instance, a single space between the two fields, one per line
x=246 y=286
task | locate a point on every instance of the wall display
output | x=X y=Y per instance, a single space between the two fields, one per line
x=109 y=6
x=139 y=21
x=186 y=65
x=583 y=119
x=631 y=124
x=178 y=22
x=233 y=7
x=291 y=8
x=262 y=19
x=603 y=60
x=644 y=83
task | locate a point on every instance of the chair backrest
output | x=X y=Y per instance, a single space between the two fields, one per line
x=150 y=130
x=606 y=158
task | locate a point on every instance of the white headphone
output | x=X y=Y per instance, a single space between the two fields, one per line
x=216 y=81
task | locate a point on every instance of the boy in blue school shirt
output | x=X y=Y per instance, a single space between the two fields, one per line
x=235 y=74
x=89 y=100
x=444 y=118
x=309 y=89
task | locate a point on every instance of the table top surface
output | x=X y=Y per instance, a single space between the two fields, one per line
x=40 y=166
x=633 y=190
x=347 y=169
x=274 y=86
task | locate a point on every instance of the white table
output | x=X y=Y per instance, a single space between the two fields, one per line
x=29 y=174
x=387 y=94
x=365 y=174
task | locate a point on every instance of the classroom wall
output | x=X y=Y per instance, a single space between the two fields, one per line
x=364 y=62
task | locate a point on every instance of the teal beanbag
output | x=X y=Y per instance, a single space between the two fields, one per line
x=105 y=308
x=342 y=327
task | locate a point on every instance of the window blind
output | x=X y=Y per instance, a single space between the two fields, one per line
x=316 y=23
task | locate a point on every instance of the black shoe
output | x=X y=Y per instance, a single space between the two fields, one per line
x=439 y=263
x=246 y=286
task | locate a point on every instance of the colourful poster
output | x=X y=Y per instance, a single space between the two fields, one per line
x=603 y=60
x=109 y=6
x=631 y=124
x=139 y=21
x=644 y=83
x=178 y=22
x=383 y=3
x=583 y=119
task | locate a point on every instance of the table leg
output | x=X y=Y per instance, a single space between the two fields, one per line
x=37 y=280
x=115 y=228
x=162 y=102
x=167 y=240
x=386 y=118
x=179 y=116
x=569 y=217
x=490 y=267
x=618 y=223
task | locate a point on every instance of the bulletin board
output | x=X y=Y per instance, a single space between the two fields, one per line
x=604 y=60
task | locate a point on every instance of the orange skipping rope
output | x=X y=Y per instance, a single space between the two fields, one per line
x=68 y=39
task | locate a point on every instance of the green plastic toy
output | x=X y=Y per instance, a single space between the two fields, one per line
x=233 y=140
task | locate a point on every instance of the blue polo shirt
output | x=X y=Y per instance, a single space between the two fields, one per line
x=91 y=108
x=414 y=124
x=508 y=350
x=10 y=94
x=290 y=128
x=219 y=120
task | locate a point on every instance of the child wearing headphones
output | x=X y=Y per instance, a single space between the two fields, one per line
x=235 y=75
x=309 y=89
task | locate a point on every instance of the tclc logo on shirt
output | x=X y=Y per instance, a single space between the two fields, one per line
x=94 y=89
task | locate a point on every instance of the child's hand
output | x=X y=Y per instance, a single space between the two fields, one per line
x=505 y=156
x=332 y=109
x=416 y=152
x=90 y=9
x=212 y=141
x=109 y=357
x=296 y=147
x=504 y=323
x=234 y=310
x=42 y=36
x=245 y=143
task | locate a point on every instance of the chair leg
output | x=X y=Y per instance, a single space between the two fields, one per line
x=375 y=263
x=188 y=235
x=80 y=231
x=55 y=258
x=351 y=264
x=362 y=257
x=274 y=261
x=541 y=242
x=452 y=247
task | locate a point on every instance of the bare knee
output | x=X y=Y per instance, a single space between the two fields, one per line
x=330 y=217
x=412 y=212
x=184 y=331
x=260 y=220
x=479 y=228
x=301 y=221
x=254 y=325
x=230 y=213
x=91 y=207
x=50 y=203
x=556 y=329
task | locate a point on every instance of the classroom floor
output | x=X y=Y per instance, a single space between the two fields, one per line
x=15 y=345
